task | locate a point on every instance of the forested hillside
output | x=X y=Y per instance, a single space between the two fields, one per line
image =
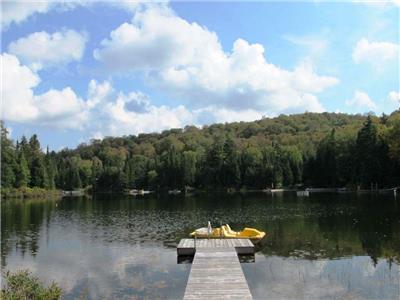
x=310 y=149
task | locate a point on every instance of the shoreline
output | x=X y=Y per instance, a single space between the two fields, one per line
x=28 y=193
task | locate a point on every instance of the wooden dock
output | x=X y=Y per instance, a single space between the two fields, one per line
x=188 y=247
x=216 y=272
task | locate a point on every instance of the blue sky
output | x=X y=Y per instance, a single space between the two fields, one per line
x=73 y=71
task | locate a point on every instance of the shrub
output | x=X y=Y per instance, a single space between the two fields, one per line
x=23 y=285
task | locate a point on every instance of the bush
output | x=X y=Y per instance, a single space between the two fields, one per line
x=23 y=285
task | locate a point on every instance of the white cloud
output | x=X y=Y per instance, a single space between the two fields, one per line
x=99 y=93
x=362 y=100
x=18 y=11
x=17 y=94
x=378 y=4
x=119 y=113
x=62 y=108
x=132 y=113
x=394 y=97
x=315 y=44
x=41 y=49
x=375 y=53
x=187 y=60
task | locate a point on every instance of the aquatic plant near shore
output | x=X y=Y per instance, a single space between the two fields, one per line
x=24 y=285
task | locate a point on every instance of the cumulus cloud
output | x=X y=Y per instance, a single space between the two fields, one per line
x=131 y=113
x=62 y=108
x=375 y=53
x=362 y=100
x=18 y=11
x=188 y=61
x=120 y=113
x=394 y=97
x=41 y=49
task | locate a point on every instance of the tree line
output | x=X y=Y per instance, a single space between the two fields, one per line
x=310 y=149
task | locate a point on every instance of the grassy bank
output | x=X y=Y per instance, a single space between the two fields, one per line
x=28 y=193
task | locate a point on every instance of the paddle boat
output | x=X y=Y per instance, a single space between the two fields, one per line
x=226 y=232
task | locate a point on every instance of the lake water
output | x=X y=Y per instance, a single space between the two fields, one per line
x=122 y=247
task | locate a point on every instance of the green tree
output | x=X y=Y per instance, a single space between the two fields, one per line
x=152 y=179
x=231 y=167
x=22 y=173
x=51 y=170
x=97 y=169
x=8 y=160
x=325 y=163
x=37 y=167
x=366 y=154
x=189 y=167
x=393 y=141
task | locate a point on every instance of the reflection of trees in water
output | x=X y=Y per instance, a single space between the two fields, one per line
x=379 y=229
x=316 y=227
x=21 y=221
x=337 y=229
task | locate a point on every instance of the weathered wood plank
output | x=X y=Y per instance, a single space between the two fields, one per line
x=242 y=246
x=216 y=274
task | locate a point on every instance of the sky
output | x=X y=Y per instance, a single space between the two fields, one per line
x=73 y=71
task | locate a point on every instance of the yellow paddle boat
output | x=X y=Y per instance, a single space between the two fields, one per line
x=227 y=233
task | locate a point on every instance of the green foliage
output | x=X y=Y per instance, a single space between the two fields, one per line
x=189 y=167
x=8 y=162
x=22 y=173
x=152 y=179
x=393 y=138
x=326 y=150
x=23 y=285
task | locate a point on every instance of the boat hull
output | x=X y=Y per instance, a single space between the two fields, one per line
x=224 y=232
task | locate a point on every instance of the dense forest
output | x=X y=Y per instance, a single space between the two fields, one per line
x=310 y=149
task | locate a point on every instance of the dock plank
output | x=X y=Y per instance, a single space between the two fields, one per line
x=216 y=274
x=188 y=247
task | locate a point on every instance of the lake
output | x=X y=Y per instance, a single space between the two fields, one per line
x=326 y=246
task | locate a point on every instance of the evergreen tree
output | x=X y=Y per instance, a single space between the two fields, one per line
x=51 y=171
x=23 y=146
x=22 y=173
x=325 y=163
x=37 y=166
x=366 y=151
x=274 y=152
x=8 y=159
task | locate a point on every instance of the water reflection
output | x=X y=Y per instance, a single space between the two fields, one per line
x=326 y=246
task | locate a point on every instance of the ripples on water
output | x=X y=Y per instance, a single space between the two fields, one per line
x=325 y=246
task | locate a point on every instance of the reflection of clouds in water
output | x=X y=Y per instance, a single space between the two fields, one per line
x=276 y=277
x=20 y=264
x=287 y=278
x=100 y=269
x=118 y=253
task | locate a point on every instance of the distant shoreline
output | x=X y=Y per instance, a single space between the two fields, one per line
x=29 y=193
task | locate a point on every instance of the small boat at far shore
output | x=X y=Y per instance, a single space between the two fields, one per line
x=225 y=232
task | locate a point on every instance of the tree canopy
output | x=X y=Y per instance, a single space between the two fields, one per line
x=310 y=149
